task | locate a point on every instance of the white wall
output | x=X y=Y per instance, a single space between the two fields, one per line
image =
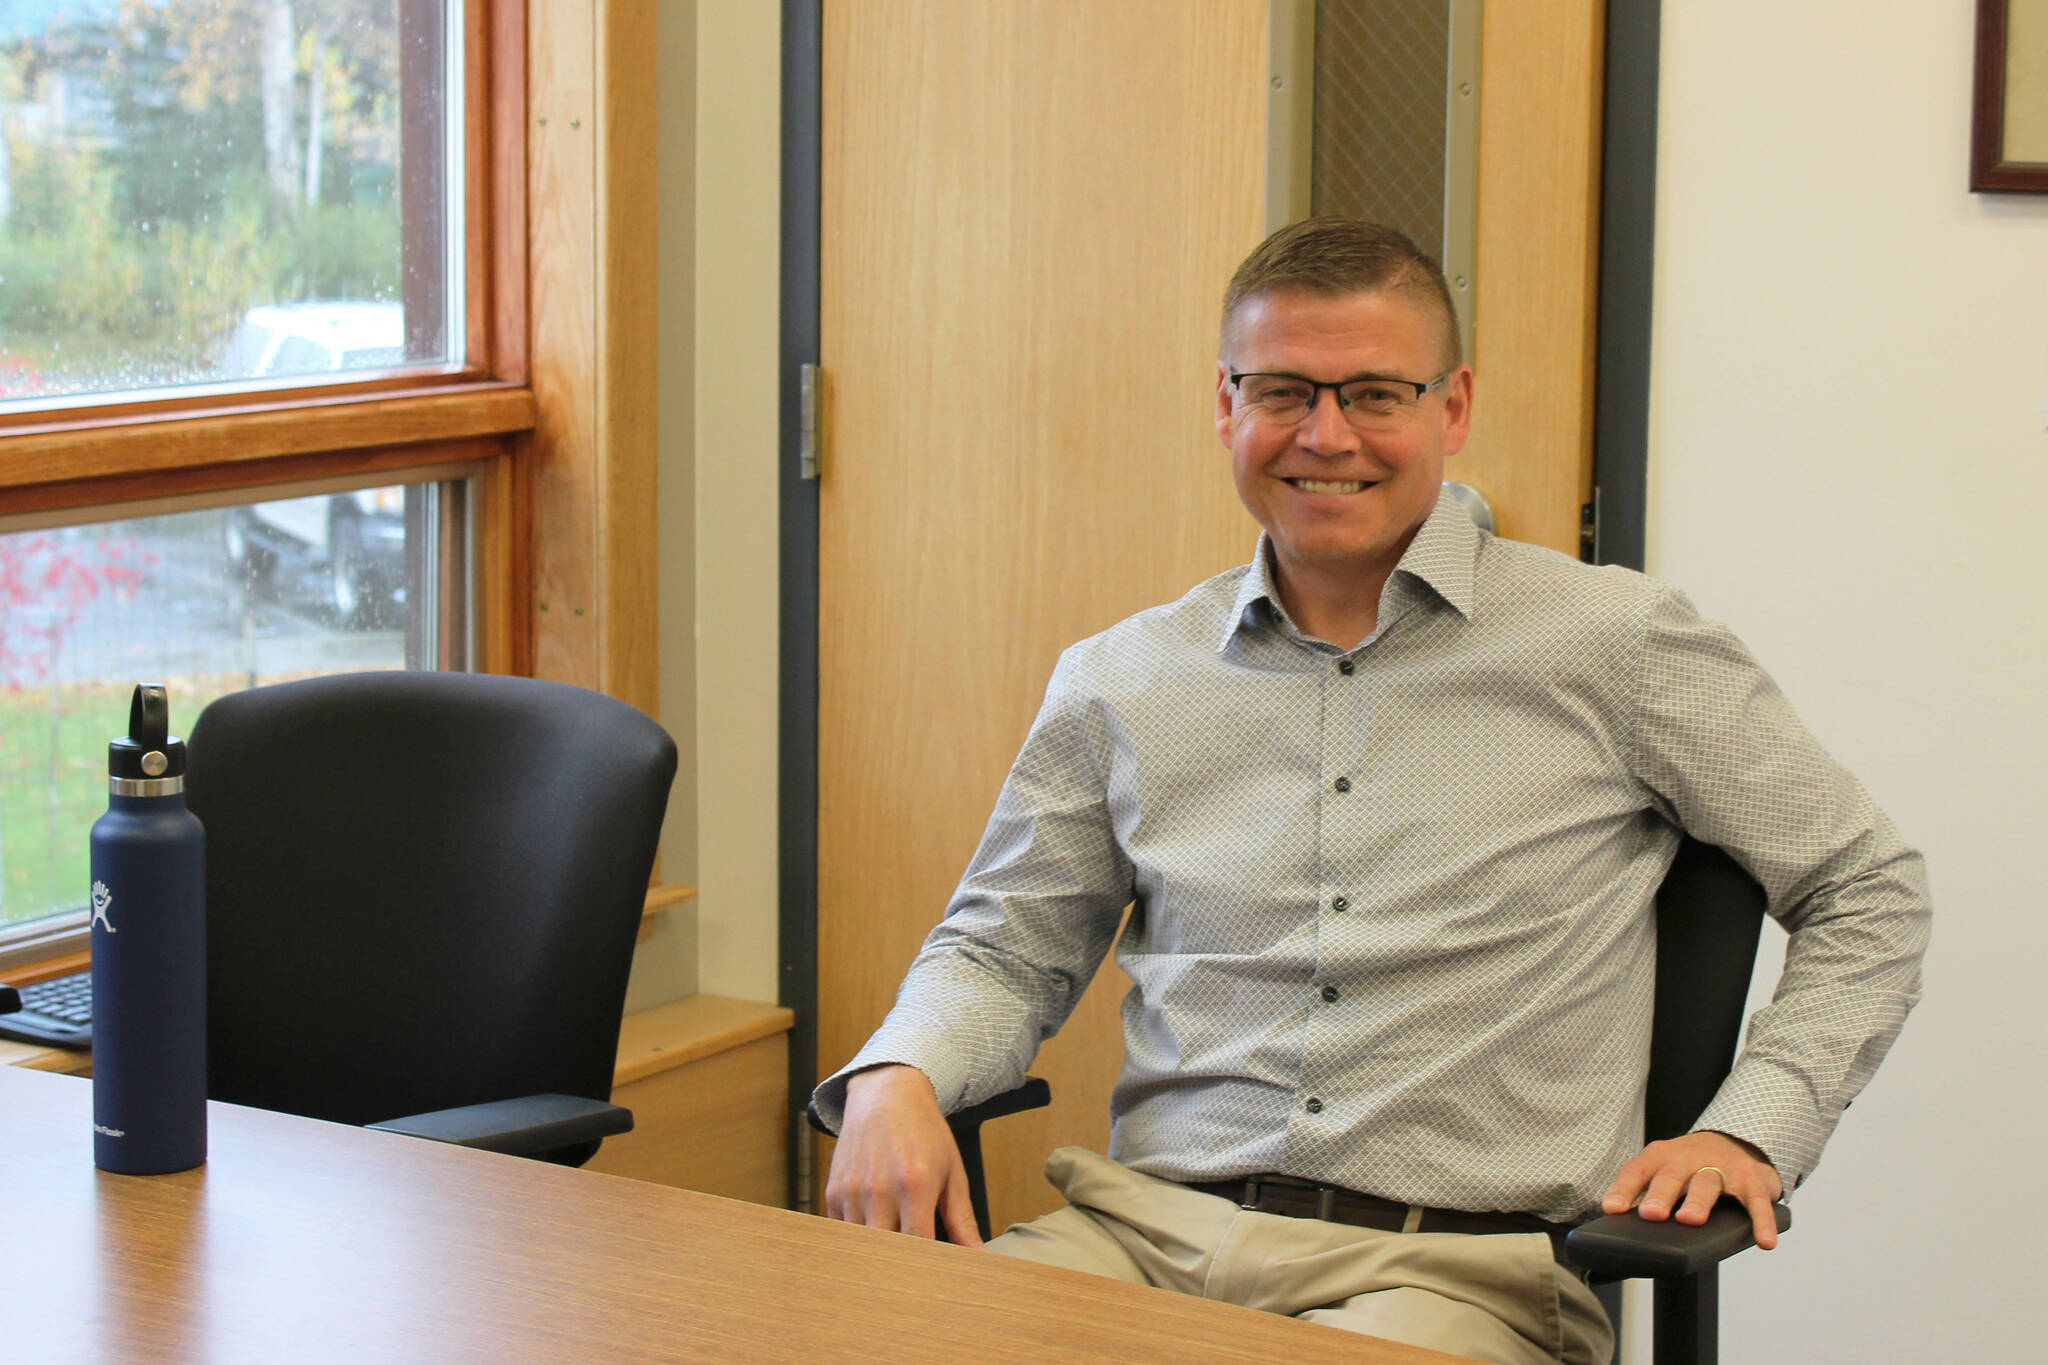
x=1849 y=465
x=738 y=313
x=665 y=967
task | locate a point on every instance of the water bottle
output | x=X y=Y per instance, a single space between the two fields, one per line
x=148 y=955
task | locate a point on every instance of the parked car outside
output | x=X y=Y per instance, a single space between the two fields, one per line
x=354 y=540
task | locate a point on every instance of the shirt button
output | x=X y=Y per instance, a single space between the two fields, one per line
x=1346 y=667
x=1314 y=1105
x=1340 y=904
x=1343 y=784
x=1330 y=994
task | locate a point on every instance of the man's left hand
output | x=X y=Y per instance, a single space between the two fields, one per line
x=1699 y=1167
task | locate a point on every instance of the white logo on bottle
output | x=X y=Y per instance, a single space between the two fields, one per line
x=101 y=899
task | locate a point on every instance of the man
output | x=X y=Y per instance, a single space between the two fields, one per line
x=1391 y=804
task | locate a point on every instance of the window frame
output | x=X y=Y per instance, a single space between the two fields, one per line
x=95 y=456
x=95 y=452
x=559 y=427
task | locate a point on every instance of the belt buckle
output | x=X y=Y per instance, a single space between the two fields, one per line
x=1250 y=1202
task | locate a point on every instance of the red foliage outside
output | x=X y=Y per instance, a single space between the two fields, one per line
x=47 y=580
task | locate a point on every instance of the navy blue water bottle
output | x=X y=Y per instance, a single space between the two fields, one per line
x=148 y=955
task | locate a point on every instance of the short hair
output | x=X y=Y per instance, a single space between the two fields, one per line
x=1332 y=256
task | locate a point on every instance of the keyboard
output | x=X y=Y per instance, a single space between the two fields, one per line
x=55 y=1013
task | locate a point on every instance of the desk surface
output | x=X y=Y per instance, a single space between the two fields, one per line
x=312 y=1241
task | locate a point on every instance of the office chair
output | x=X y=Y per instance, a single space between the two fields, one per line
x=422 y=894
x=1709 y=913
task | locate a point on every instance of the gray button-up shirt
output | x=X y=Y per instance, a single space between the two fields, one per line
x=1392 y=922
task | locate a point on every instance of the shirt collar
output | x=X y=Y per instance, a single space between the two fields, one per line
x=1445 y=553
x=1443 y=557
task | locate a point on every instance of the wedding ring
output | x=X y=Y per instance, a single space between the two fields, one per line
x=1717 y=1171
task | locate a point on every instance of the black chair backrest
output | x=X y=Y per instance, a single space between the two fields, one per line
x=1709 y=912
x=423 y=889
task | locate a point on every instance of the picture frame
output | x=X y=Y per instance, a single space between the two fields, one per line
x=2009 y=120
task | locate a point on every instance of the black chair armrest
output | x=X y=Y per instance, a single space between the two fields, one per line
x=517 y=1127
x=10 y=1000
x=1627 y=1246
x=1033 y=1094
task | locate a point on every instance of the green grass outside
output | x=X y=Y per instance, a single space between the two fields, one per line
x=53 y=784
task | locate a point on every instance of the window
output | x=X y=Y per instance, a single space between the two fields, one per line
x=263 y=409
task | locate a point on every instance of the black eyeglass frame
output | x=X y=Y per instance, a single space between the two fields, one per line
x=1422 y=387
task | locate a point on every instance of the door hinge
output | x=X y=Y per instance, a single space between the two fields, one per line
x=1589 y=529
x=807 y=422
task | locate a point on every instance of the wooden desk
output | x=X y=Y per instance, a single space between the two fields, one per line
x=310 y=1241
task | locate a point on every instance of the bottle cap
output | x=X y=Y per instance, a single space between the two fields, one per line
x=149 y=750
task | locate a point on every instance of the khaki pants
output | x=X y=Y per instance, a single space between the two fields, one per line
x=1498 y=1297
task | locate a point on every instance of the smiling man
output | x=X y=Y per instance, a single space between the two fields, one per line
x=1390 y=805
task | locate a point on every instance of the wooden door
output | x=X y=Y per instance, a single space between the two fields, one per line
x=1029 y=214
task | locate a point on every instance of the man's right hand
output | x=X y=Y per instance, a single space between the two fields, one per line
x=896 y=1165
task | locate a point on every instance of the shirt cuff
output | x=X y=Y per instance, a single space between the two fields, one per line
x=1784 y=1129
x=828 y=1101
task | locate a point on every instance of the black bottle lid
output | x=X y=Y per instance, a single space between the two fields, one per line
x=149 y=750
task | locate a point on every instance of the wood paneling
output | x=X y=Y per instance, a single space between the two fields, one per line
x=719 y=1124
x=1029 y=215
x=591 y=254
x=627 y=393
x=1531 y=450
x=562 y=187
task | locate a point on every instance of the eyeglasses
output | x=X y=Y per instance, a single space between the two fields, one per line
x=1368 y=404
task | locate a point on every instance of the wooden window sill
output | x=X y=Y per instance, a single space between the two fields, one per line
x=659 y=898
x=691 y=1029
x=665 y=1036
x=650 y=1042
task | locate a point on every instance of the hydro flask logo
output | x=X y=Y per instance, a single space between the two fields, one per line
x=101 y=899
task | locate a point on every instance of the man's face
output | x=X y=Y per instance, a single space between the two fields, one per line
x=1334 y=499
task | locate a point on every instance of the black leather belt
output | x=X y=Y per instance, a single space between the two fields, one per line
x=1293 y=1198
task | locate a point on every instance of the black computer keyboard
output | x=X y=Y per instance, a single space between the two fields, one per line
x=55 y=1013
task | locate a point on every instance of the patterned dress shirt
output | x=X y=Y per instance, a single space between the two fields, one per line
x=1392 y=918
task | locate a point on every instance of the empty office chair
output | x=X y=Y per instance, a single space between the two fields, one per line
x=1709 y=912
x=423 y=892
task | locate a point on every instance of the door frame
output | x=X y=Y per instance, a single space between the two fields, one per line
x=803 y=28
x=1620 y=444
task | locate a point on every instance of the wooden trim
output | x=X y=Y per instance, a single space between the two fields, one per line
x=628 y=322
x=1989 y=170
x=506 y=226
x=690 y=1029
x=212 y=485
x=661 y=898
x=668 y=894
x=71 y=451
x=95 y=409
x=47 y=968
x=591 y=83
x=504 y=528
x=477 y=187
x=561 y=174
